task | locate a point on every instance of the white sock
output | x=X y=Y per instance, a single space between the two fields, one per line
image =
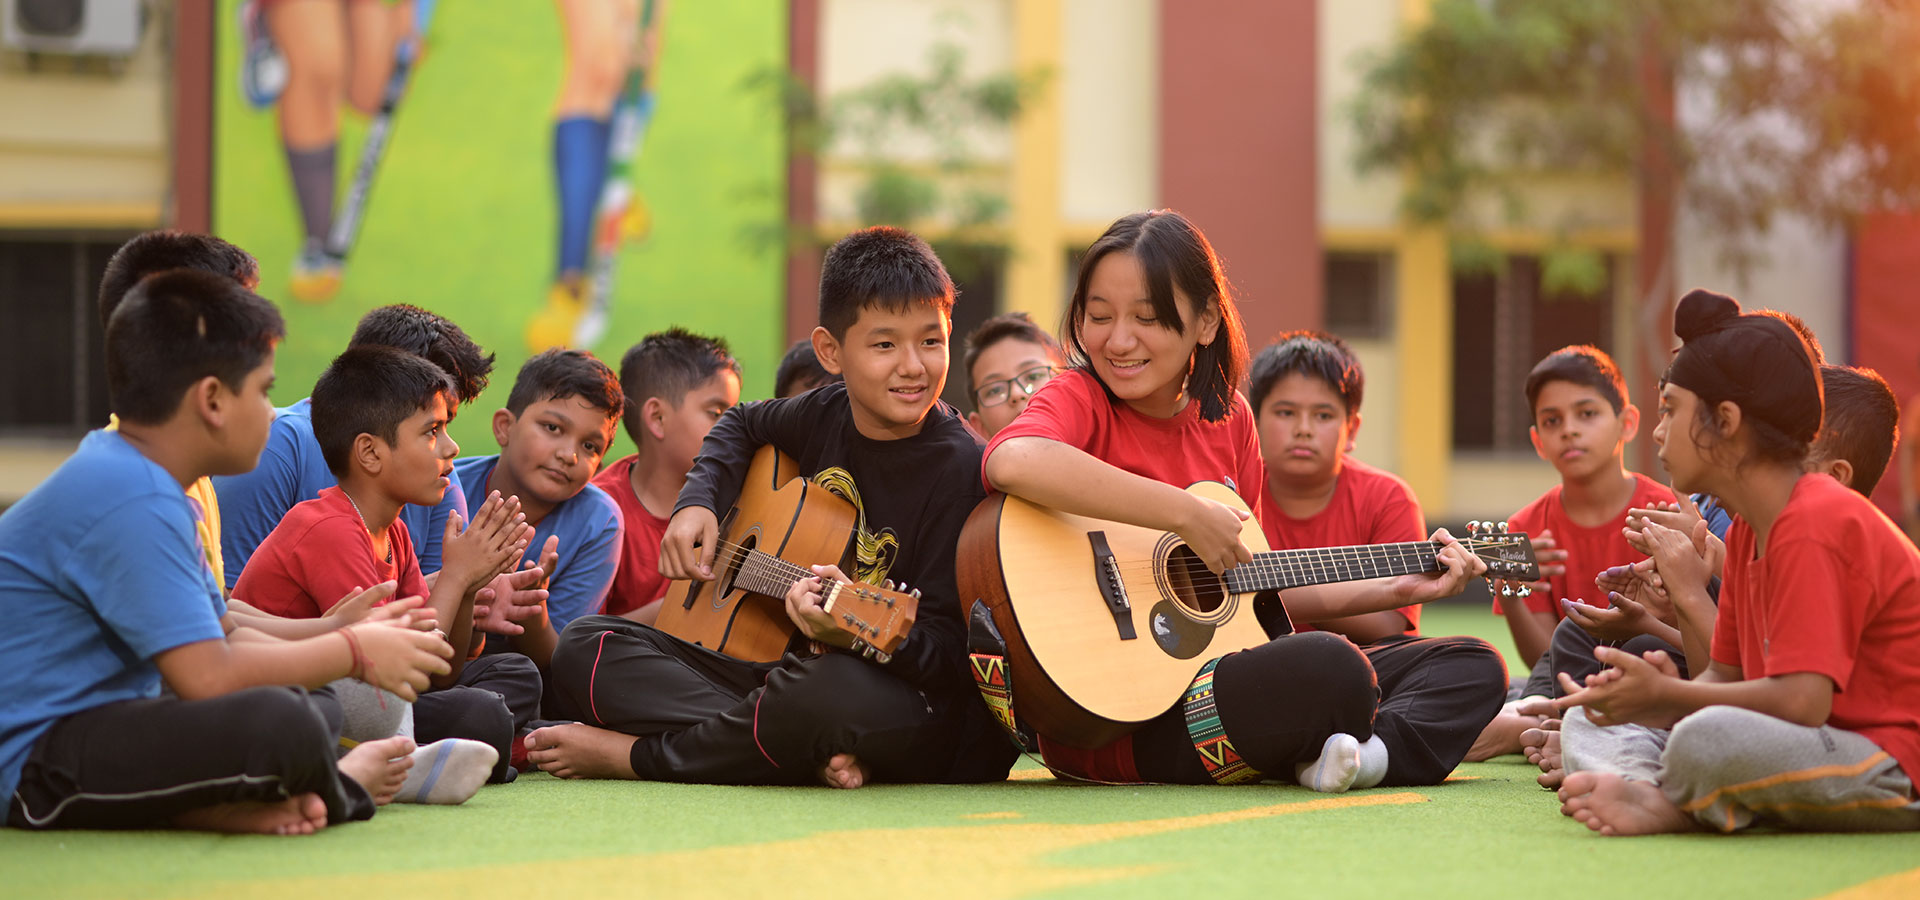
x=1337 y=767
x=447 y=772
x=1373 y=763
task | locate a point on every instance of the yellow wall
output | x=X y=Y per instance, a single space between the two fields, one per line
x=84 y=148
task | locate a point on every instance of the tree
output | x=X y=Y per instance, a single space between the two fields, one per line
x=1745 y=109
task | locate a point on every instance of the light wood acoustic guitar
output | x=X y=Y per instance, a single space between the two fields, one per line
x=781 y=524
x=1106 y=624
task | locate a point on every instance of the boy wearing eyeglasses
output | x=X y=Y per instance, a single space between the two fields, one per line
x=1008 y=359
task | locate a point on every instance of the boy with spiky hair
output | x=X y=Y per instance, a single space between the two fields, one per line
x=1008 y=359
x=556 y=428
x=292 y=468
x=108 y=595
x=677 y=384
x=800 y=371
x=660 y=708
x=380 y=417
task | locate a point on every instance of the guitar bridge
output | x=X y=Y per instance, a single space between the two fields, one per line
x=1106 y=573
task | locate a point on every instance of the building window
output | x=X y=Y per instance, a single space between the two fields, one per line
x=55 y=369
x=1503 y=325
x=1359 y=294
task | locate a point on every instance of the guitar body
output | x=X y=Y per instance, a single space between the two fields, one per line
x=778 y=513
x=1076 y=678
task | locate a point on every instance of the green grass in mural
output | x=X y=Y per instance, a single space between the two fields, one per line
x=1490 y=833
x=462 y=218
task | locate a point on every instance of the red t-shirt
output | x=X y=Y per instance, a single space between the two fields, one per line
x=1369 y=506
x=1590 y=551
x=1838 y=592
x=1073 y=408
x=637 y=580
x=318 y=554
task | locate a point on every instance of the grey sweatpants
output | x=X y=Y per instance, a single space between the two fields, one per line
x=1732 y=768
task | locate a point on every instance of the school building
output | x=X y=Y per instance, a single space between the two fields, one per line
x=1233 y=111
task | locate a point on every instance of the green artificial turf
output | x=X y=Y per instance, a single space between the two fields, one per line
x=1488 y=833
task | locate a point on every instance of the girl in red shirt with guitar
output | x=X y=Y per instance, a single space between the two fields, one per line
x=1150 y=407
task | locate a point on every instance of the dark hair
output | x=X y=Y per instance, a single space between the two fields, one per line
x=668 y=364
x=158 y=251
x=1581 y=364
x=558 y=374
x=799 y=366
x=1175 y=256
x=178 y=327
x=884 y=267
x=1315 y=354
x=1013 y=326
x=371 y=389
x=1757 y=362
x=431 y=337
x=1861 y=424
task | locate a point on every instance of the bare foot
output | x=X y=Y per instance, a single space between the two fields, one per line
x=843 y=771
x=379 y=766
x=302 y=814
x=577 y=750
x=1543 y=750
x=1502 y=735
x=1617 y=806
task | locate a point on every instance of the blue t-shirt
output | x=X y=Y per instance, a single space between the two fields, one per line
x=589 y=526
x=100 y=571
x=292 y=470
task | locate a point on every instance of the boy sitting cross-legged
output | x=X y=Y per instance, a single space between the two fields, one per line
x=380 y=416
x=677 y=385
x=108 y=593
x=1582 y=421
x=657 y=707
x=556 y=428
x=1436 y=694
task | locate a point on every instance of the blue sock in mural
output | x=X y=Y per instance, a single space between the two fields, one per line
x=580 y=166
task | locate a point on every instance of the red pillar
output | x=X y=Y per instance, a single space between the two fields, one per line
x=803 y=258
x=1654 y=276
x=192 y=58
x=1239 y=151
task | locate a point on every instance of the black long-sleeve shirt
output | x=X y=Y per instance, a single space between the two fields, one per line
x=914 y=494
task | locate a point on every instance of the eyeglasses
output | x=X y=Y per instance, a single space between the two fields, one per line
x=994 y=393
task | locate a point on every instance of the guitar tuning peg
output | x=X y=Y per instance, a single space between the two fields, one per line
x=915 y=593
x=1525 y=592
x=882 y=658
x=1506 y=590
x=1473 y=526
x=888 y=585
x=1503 y=528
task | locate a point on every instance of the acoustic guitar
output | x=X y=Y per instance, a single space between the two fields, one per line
x=781 y=524
x=1106 y=624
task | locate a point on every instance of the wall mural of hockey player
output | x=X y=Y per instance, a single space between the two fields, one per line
x=495 y=165
x=312 y=56
x=600 y=120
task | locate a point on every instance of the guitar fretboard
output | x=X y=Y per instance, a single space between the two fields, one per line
x=1277 y=570
x=764 y=573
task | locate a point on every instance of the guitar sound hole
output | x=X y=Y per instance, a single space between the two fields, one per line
x=729 y=559
x=1194 y=586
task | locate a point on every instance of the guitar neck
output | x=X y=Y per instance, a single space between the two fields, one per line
x=1277 y=570
x=764 y=573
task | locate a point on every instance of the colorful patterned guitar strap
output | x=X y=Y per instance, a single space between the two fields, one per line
x=987 y=660
x=1223 y=763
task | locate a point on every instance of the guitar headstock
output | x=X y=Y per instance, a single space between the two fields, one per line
x=1508 y=555
x=878 y=618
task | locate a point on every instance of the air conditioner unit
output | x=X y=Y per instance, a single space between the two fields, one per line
x=73 y=27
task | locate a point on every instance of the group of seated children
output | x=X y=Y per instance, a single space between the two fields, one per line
x=407 y=624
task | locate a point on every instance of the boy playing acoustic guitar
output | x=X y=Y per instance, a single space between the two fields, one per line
x=657 y=707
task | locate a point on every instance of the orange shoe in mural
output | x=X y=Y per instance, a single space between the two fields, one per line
x=554 y=324
x=316 y=277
